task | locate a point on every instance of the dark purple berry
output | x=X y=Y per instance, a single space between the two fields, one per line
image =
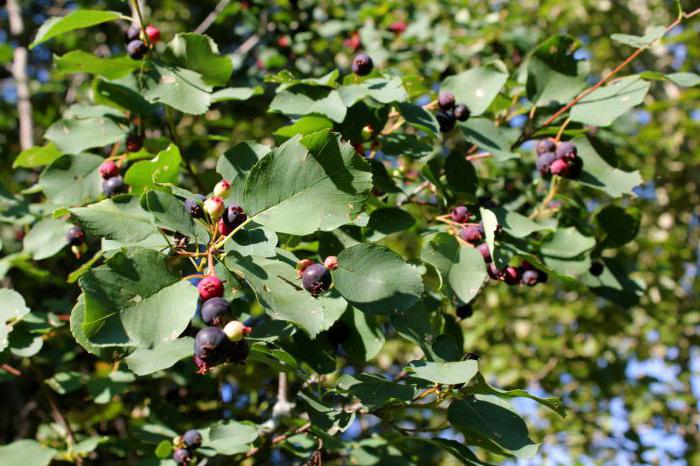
x=460 y=214
x=133 y=32
x=596 y=268
x=485 y=252
x=210 y=347
x=134 y=142
x=75 y=236
x=216 y=311
x=530 y=278
x=462 y=112
x=192 y=438
x=316 y=279
x=543 y=162
x=546 y=145
x=194 y=208
x=136 y=49
x=233 y=216
x=465 y=311
x=471 y=234
x=182 y=456
x=114 y=185
x=493 y=271
x=566 y=150
x=362 y=64
x=446 y=121
x=446 y=100
x=511 y=275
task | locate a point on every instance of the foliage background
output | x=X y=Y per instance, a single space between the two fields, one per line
x=631 y=377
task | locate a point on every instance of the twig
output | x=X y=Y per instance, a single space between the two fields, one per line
x=136 y=6
x=553 y=189
x=279 y=439
x=11 y=370
x=562 y=128
x=211 y=17
x=19 y=72
x=483 y=155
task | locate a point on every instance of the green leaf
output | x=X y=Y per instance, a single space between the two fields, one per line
x=230 y=437
x=604 y=105
x=79 y=61
x=461 y=267
x=479 y=386
x=26 y=452
x=657 y=32
x=46 y=238
x=236 y=162
x=553 y=74
x=122 y=307
x=305 y=125
x=163 y=168
x=235 y=93
x=13 y=309
x=488 y=137
x=619 y=225
x=120 y=219
x=79 y=19
x=279 y=291
x=615 y=285
x=405 y=144
x=375 y=279
x=598 y=174
x=76 y=136
x=419 y=117
x=476 y=87
x=684 y=79
x=382 y=90
x=454 y=448
x=123 y=94
x=164 y=450
x=567 y=243
x=200 y=53
x=146 y=361
x=367 y=339
x=448 y=373
x=518 y=225
x=72 y=179
x=325 y=417
x=388 y=220
x=66 y=382
x=77 y=317
x=169 y=213
x=375 y=391
x=316 y=183
x=460 y=174
x=493 y=424
x=182 y=89
x=37 y=156
x=253 y=240
x=305 y=100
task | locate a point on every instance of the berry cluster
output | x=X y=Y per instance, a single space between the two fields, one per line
x=135 y=45
x=559 y=159
x=525 y=274
x=112 y=183
x=229 y=218
x=316 y=278
x=214 y=345
x=450 y=111
x=185 y=445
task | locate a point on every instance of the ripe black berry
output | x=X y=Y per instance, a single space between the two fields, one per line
x=133 y=32
x=465 y=311
x=233 y=216
x=446 y=100
x=194 y=208
x=316 y=279
x=182 y=456
x=136 y=49
x=543 y=162
x=566 y=150
x=546 y=145
x=192 y=438
x=596 y=268
x=134 y=142
x=462 y=112
x=362 y=64
x=75 y=236
x=446 y=121
x=216 y=311
x=114 y=185
x=212 y=347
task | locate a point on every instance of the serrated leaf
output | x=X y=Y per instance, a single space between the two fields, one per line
x=382 y=90
x=200 y=53
x=375 y=279
x=475 y=88
x=72 y=179
x=120 y=219
x=253 y=240
x=305 y=100
x=146 y=361
x=79 y=61
x=638 y=42
x=553 y=74
x=375 y=391
x=78 y=19
x=37 y=156
x=305 y=125
x=179 y=88
x=169 y=212
x=619 y=225
x=367 y=339
x=46 y=238
x=598 y=174
x=77 y=317
x=419 y=117
x=306 y=185
x=235 y=164
x=235 y=93
x=163 y=168
x=76 y=136
x=488 y=137
x=448 y=373
x=604 y=105
x=518 y=225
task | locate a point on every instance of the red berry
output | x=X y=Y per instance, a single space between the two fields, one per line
x=153 y=34
x=397 y=27
x=559 y=167
x=109 y=169
x=224 y=228
x=210 y=287
x=511 y=275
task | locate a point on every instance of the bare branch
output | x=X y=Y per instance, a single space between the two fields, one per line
x=19 y=72
x=209 y=20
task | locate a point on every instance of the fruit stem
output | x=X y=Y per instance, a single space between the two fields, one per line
x=553 y=189
x=561 y=129
x=137 y=8
x=227 y=237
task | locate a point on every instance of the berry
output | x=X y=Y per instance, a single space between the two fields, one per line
x=530 y=278
x=460 y=214
x=133 y=32
x=471 y=234
x=192 y=438
x=114 y=185
x=465 y=311
x=362 y=64
x=153 y=34
x=75 y=236
x=224 y=229
x=222 y=188
x=136 y=49
x=485 y=253
x=234 y=216
x=397 y=27
x=511 y=275
x=560 y=167
x=236 y=331
x=493 y=271
x=542 y=276
x=331 y=263
x=209 y=344
x=546 y=145
x=215 y=311
x=303 y=265
x=596 y=268
x=182 y=456
x=109 y=169
x=214 y=206
x=194 y=208
x=316 y=279
x=543 y=162
x=210 y=287
x=462 y=112
x=446 y=100
x=134 y=143
x=446 y=120
x=566 y=150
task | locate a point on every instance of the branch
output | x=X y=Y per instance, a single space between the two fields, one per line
x=279 y=439
x=209 y=20
x=19 y=72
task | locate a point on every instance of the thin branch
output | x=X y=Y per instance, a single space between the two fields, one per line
x=19 y=72
x=279 y=439
x=209 y=20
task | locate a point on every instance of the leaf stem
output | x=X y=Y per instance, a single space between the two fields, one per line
x=235 y=230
